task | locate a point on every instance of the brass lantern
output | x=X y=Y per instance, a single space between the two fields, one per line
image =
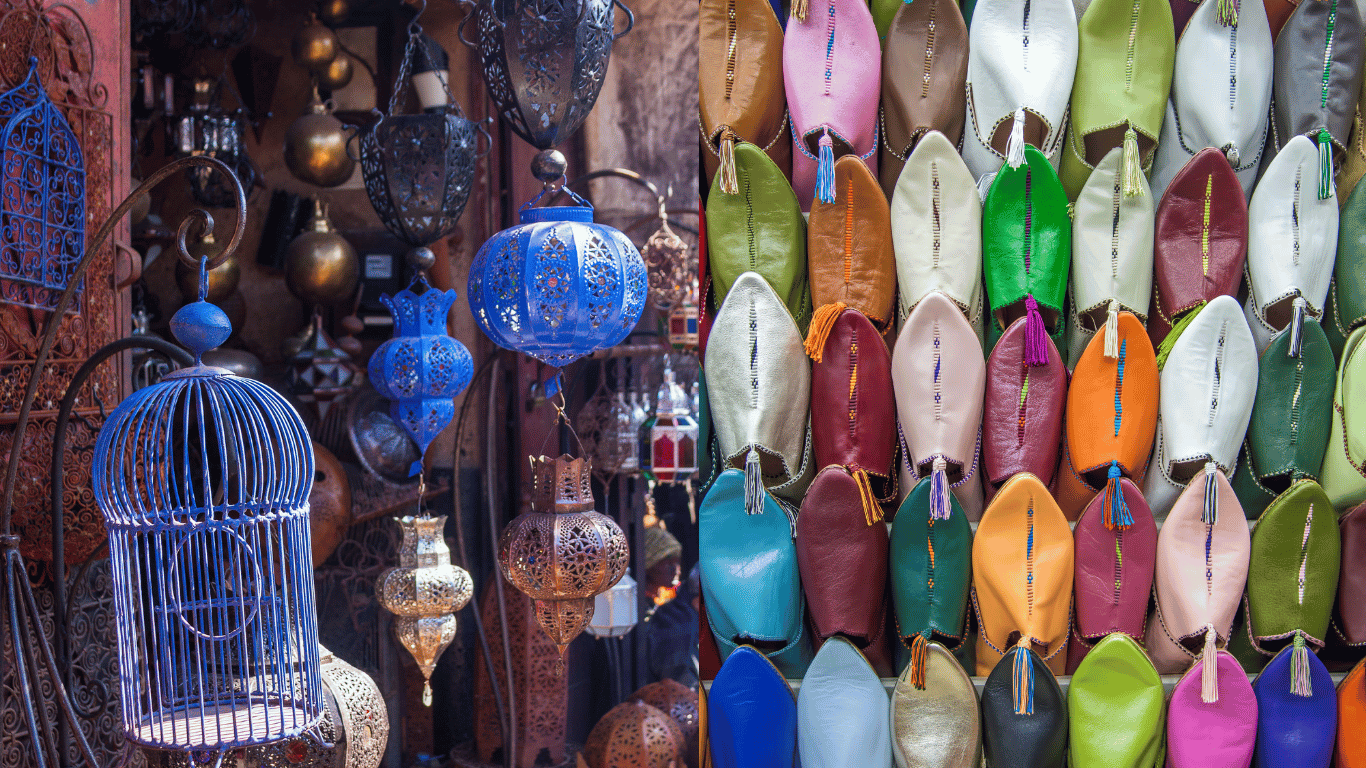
x=424 y=593
x=315 y=147
x=634 y=734
x=563 y=554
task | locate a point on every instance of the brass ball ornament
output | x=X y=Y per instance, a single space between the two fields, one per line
x=337 y=74
x=223 y=279
x=321 y=267
x=314 y=47
x=315 y=147
x=334 y=12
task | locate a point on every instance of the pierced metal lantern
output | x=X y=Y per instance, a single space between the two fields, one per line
x=418 y=168
x=42 y=197
x=679 y=702
x=424 y=593
x=421 y=368
x=562 y=554
x=673 y=436
x=557 y=286
x=634 y=734
x=203 y=480
x=321 y=371
x=544 y=61
x=207 y=129
x=616 y=611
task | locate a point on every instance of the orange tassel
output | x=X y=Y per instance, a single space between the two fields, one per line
x=920 y=652
x=872 y=511
x=821 y=323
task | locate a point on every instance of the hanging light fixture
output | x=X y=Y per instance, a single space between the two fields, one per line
x=616 y=611
x=315 y=146
x=673 y=437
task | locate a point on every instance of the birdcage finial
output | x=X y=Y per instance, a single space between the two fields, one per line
x=200 y=326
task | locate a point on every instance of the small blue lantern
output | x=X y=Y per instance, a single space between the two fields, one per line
x=203 y=480
x=558 y=286
x=421 y=369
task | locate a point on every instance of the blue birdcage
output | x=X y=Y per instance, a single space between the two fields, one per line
x=203 y=481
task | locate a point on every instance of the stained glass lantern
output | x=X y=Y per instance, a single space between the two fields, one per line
x=203 y=480
x=673 y=437
x=557 y=286
x=424 y=593
x=421 y=368
x=418 y=168
x=562 y=554
x=42 y=197
x=616 y=611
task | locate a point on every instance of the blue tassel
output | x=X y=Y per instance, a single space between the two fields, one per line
x=1022 y=682
x=940 y=506
x=1115 y=509
x=825 y=170
x=1210 y=514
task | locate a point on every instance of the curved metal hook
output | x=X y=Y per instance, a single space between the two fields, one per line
x=413 y=26
x=460 y=30
x=479 y=126
x=630 y=20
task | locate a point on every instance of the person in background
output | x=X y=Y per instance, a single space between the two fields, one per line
x=670 y=628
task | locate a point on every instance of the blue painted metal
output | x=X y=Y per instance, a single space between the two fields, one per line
x=42 y=196
x=558 y=286
x=421 y=368
x=203 y=481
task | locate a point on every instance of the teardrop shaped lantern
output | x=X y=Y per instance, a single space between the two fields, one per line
x=557 y=286
x=563 y=554
x=544 y=61
x=421 y=369
x=203 y=480
x=418 y=168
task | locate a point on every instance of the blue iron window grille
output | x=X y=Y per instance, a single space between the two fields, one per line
x=42 y=197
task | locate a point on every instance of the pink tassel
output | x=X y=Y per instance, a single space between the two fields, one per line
x=1209 y=673
x=1036 y=334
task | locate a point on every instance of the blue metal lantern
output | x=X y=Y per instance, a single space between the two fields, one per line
x=203 y=480
x=558 y=286
x=421 y=368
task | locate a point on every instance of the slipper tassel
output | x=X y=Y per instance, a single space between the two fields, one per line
x=920 y=652
x=1210 y=514
x=1300 y=684
x=821 y=324
x=940 y=506
x=1209 y=673
x=1325 y=165
x=1133 y=166
x=825 y=169
x=726 y=175
x=754 y=484
x=1036 y=334
x=984 y=185
x=1015 y=144
x=1164 y=350
x=872 y=511
x=1298 y=308
x=1022 y=679
x=1114 y=508
x=799 y=9
x=1112 y=330
x=1228 y=13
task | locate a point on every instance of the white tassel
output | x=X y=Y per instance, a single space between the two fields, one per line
x=1209 y=674
x=984 y=185
x=1298 y=309
x=1015 y=146
x=1210 y=514
x=1112 y=330
x=754 y=483
x=940 y=505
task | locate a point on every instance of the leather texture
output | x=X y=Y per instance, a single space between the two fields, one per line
x=1344 y=475
x=1022 y=54
x=842 y=555
x=930 y=591
x=1125 y=53
x=752 y=713
x=1351 y=599
x=1278 y=12
x=758 y=230
x=1354 y=166
x=938 y=727
x=1349 y=270
x=1293 y=411
x=842 y=711
x=1022 y=565
x=1114 y=569
x=1037 y=740
x=937 y=228
x=739 y=79
x=766 y=410
x=1208 y=386
x=1192 y=593
x=1221 y=733
x=832 y=74
x=924 y=69
x=939 y=377
x=1112 y=407
x=1116 y=708
x=703 y=729
x=1351 y=741
x=705 y=309
x=1294 y=730
x=1022 y=417
x=1287 y=217
x=1199 y=241
x=849 y=246
x=750 y=575
x=1296 y=553
x=1112 y=252
x=1252 y=495
x=1182 y=10
x=1227 y=113
x=853 y=411
x=1026 y=242
x=1303 y=47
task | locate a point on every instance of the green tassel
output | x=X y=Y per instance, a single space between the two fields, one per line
x=1165 y=348
x=1133 y=166
x=1325 y=165
x=1228 y=13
